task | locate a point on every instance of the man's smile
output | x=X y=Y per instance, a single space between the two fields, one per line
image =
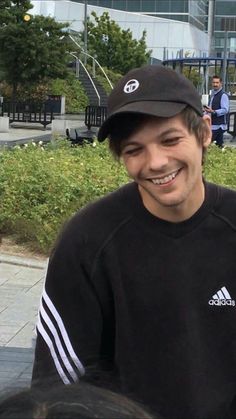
x=164 y=179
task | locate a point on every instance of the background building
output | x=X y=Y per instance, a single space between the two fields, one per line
x=194 y=12
x=190 y=11
x=224 y=29
x=175 y=28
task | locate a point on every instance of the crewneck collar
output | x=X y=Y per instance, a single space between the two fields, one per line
x=155 y=224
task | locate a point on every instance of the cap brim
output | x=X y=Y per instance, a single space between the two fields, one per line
x=161 y=109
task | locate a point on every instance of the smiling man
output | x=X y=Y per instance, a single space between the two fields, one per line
x=140 y=290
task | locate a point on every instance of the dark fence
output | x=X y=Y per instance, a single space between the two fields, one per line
x=231 y=129
x=32 y=112
x=95 y=116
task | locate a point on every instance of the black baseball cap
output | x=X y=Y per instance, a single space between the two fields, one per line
x=152 y=90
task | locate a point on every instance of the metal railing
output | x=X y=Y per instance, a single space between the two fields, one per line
x=94 y=62
x=31 y=112
x=79 y=62
x=95 y=116
x=231 y=128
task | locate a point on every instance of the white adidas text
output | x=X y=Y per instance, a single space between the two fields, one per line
x=221 y=302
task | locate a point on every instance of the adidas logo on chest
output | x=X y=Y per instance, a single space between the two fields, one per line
x=222 y=298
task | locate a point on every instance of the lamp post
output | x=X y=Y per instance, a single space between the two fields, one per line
x=224 y=70
x=85 y=30
x=210 y=26
x=210 y=31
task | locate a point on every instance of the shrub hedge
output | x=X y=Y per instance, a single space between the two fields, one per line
x=42 y=186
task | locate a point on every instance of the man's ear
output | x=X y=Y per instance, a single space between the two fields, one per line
x=208 y=133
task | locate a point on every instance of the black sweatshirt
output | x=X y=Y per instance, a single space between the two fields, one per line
x=150 y=300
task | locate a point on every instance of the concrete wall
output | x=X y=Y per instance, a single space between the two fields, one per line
x=165 y=37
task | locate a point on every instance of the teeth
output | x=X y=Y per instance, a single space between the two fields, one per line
x=165 y=179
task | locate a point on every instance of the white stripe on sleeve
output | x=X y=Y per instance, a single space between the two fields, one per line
x=58 y=344
x=63 y=331
x=53 y=353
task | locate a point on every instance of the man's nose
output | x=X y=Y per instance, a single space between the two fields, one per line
x=157 y=157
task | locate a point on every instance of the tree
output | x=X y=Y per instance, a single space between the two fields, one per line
x=114 y=47
x=13 y=10
x=31 y=47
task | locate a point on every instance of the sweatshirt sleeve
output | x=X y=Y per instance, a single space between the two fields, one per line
x=74 y=335
x=224 y=105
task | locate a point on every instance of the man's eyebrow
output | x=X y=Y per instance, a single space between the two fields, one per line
x=127 y=142
x=172 y=131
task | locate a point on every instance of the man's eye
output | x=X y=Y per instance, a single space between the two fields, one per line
x=171 y=141
x=131 y=151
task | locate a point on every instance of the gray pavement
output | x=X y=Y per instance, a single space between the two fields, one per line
x=22 y=133
x=21 y=283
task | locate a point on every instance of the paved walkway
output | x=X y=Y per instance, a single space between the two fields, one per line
x=21 y=133
x=21 y=282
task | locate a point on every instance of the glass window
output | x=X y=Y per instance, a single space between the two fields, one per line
x=217 y=24
x=93 y=2
x=232 y=46
x=104 y=3
x=163 y=6
x=148 y=6
x=133 y=5
x=225 y=7
x=178 y=6
x=227 y=24
x=182 y=18
x=119 y=4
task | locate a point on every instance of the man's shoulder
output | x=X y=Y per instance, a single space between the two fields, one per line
x=226 y=191
x=105 y=213
x=225 y=203
x=222 y=192
x=220 y=93
x=225 y=94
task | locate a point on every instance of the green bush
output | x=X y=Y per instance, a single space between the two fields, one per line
x=100 y=77
x=42 y=186
x=113 y=77
x=72 y=89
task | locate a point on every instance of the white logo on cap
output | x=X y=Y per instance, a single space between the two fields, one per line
x=131 y=86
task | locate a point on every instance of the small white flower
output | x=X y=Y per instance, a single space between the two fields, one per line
x=40 y=143
x=94 y=144
x=25 y=145
x=33 y=143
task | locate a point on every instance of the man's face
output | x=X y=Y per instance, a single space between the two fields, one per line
x=166 y=162
x=216 y=84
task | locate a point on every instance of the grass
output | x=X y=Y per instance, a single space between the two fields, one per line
x=42 y=186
